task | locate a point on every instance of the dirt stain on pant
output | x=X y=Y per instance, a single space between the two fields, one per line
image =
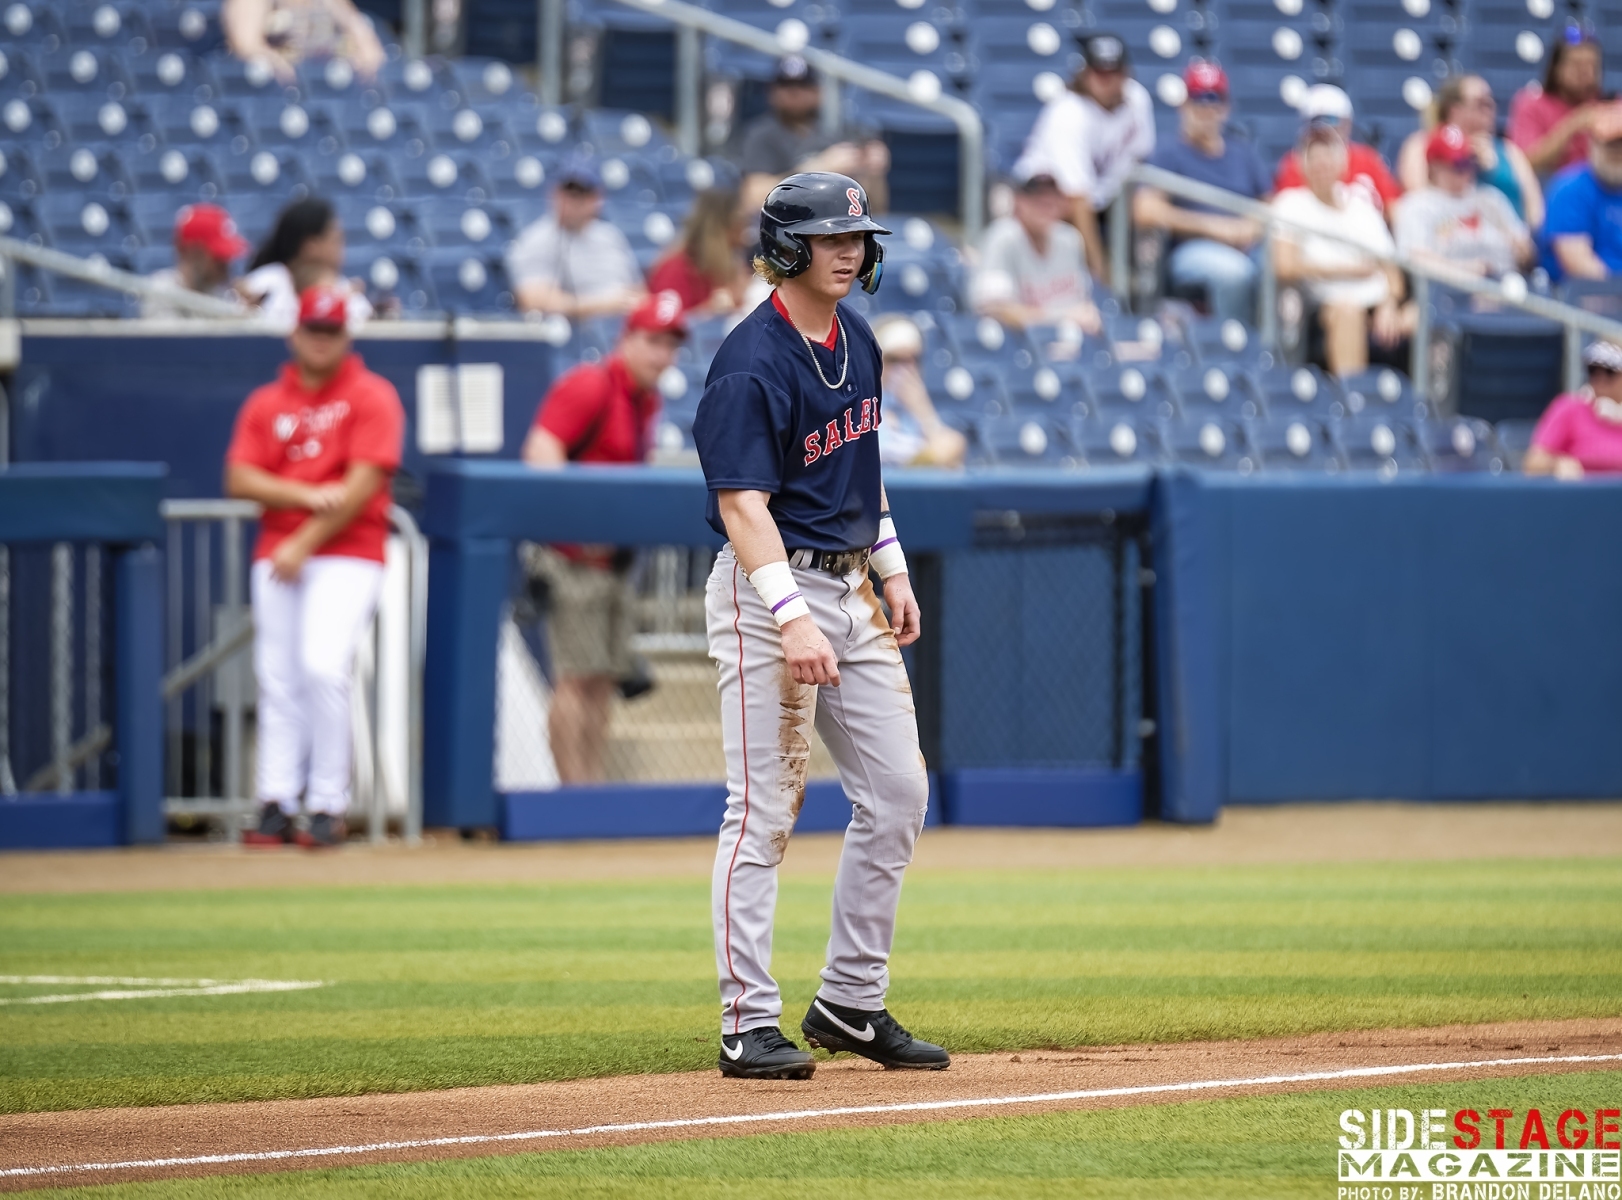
x=795 y=706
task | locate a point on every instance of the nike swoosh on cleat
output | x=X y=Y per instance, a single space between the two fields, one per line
x=863 y=1035
x=727 y=1050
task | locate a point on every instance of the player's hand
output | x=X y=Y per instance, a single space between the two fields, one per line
x=287 y=560
x=810 y=658
x=325 y=497
x=905 y=619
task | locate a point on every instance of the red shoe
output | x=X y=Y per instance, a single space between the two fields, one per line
x=275 y=827
x=325 y=831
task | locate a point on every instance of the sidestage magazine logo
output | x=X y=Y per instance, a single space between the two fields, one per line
x=1480 y=1154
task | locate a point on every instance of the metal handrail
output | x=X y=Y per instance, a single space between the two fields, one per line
x=96 y=271
x=971 y=158
x=1511 y=290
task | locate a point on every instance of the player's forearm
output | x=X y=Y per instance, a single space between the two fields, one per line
x=243 y=482
x=361 y=483
x=751 y=530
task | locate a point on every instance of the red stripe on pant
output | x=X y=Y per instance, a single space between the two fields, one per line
x=743 y=826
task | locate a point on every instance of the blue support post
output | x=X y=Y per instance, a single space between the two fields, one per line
x=139 y=739
x=467 y=582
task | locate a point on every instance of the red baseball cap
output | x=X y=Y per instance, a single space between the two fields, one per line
x=211 y=227
x=659 y=313
x=1205 y=79
x=324 y=307
x=1449 y=145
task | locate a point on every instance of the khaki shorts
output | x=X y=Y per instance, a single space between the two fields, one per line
x=588 y=627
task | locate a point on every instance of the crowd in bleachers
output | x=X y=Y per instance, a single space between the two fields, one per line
x=186 y=142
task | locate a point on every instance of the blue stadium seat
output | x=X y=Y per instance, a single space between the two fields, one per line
x=18 y=76
x=520 y=177
x=964 y=392
x=1435 y=17
x=383 y=128
x=90 y=69
x=18 y=180
x=106 y=24
x=392 y=279
x=1141 y=390
x=154 y=256
x=610 y=132
x=412 y=79
x=1115 y=439
x=83 y=169
x=544 y=132
x=1042 y=388
x=153 y=213
x=1390 y=94
x=332 y=175
x=976 y=340
x=1383 y=390
x=181 y=175
x=384 y=228
x=263 y=173
x=1206 y=440
x=171 y=73
x=33 y=25
x=181 y=121
x=32 y=289
x=486 y=81
x=1376 y=442
x=902 y=42
x=443 y=175
x=250 y=81
x=31 y=121
x=468 y=282
x=1461 y=444
x=96 y=119
x=464 y=129
x=17 y=221
x=275 y=125
x=1213 y=389
x=1514 y=439
x=1027 y=440
x=450 y=222
x=1299 y=391
x=334 y=81
x=86 y=223
x=187 y=24
x=1143 y=339
x=80 y=300
x=1294 y=442
x=1218 y=341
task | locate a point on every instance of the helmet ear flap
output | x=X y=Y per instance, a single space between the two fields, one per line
x=872 y=265
x=787 y=253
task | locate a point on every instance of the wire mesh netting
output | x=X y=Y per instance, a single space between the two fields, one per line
x=635 y=622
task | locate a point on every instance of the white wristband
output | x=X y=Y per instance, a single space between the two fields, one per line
x=886 y=557
x=775 y=583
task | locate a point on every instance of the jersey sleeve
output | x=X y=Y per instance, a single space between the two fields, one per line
x=379 y=428
x=742 y=432
x=573 y=406
x=1555 y=427
x=251 y=443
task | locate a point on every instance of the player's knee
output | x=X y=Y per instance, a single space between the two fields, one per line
x=322 y=673
x=899 y=816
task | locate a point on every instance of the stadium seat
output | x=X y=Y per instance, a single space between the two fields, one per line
x=179 y=175
x=386 y=228
x=254 y=80
x=18 y=76
x=187 y=24
x=18 y=180
x=443 y=175
x=90 y=70
x=349 y=173
x=1214 y=389
x=87 y=223
x=1206 y=440
x=449 y=222
x=1140 y=390
x=521 y=177
x=483 y=81
x=1377 y=442
x=1215 y=340
x=975 y=341
x=1115 y=439
x=157 y=72
x=1294 y=442
x=1382 y=389
x=961 y=393
x=629 y=178
x=1514 y=436
x=1041 y=388
x=181 y=121
x=412 y=79
x=32 y=289
x=467 y=281
x=82 y=169
x=108 y=25
x=396 y=131
x=33 y=25
x=17 y=221
x=263 y=173
x=31 y=121
x=1461 y=444
x=334 y=81
x=1299 y=391
x=94 y=119
x=392 y=279
x=275 y=126
x=1026 y=440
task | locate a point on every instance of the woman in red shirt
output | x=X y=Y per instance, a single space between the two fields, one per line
x=709 y=268
x=316 y=448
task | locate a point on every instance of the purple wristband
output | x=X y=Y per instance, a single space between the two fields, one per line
x=784 y=600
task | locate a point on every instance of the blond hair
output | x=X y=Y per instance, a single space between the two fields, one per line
x=765 y=270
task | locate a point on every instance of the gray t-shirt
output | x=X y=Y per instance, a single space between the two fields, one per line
x=1481 y=224
x=769 y=147
x=590 y=264
x=1012 y=272
x=160 y=308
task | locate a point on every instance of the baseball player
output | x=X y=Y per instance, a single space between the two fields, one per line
x=317 y=448
x=787 y=434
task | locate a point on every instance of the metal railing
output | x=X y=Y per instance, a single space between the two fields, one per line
x=1510 y=290
x=96 y=271
x=216 y=676
x=693 y=21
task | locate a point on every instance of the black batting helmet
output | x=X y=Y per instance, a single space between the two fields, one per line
x=813 y=203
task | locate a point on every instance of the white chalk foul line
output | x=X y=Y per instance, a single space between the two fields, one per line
x=812 y=1114
x=137 y=988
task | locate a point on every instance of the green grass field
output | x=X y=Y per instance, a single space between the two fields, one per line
x=435 y=986
x=1279 y=1146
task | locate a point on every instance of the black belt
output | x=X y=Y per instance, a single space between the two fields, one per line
x=834 y=562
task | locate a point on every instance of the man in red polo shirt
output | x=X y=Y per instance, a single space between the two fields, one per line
x=317 y=448
x=597 y=413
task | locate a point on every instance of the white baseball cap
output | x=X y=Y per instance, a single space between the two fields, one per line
x=1325 y=100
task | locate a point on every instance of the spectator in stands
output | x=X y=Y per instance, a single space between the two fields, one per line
x=1457 y=222
x=1365 y=169
x=317 y=448
x=912 y=433
x=284 y=33
x=305 y=249
x=1211 y=251
x=1582 y=231
x=206 y=244
x=709 y=268
x=1580 y=433
x=571 y=261
x=1357 y=297
x=1090 y=136
x=1467 y=101
x=597 y=413
x=790 y=138
x=1551 y=121
x=1032 y=270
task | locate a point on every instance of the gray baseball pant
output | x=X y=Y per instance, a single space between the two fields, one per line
x=870 y=728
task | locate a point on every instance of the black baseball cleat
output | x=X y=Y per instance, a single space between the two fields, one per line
x=275 y=828
x=764 y=1053
x=875 y=1035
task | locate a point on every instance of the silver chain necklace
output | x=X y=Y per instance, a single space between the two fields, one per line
x=844 y=367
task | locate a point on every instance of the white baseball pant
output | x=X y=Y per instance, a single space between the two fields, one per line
x=870 y=728
x=305 y=635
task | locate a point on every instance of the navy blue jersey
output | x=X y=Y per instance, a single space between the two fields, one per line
x=767 y=423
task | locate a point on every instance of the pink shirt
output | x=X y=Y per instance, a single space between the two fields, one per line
x=1570 y=427
x=1532 y=113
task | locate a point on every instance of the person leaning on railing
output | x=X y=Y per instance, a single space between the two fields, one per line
x=1359 y=299
x=597 y=413
x=1580 y=433
x=206 y=244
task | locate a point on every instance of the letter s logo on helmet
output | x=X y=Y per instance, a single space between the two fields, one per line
x=817 y=204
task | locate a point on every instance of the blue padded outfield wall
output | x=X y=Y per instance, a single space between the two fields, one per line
x=1430 y=638
x=115 y=504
